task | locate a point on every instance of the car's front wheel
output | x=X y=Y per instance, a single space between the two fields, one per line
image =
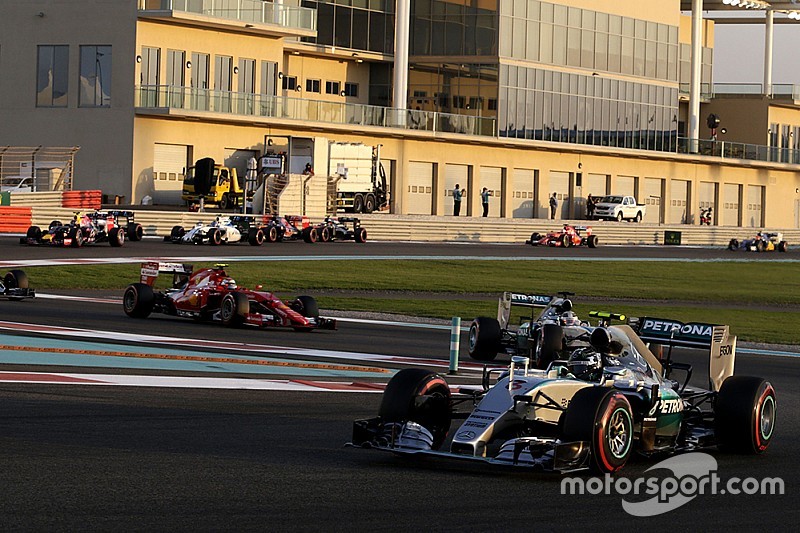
x=234 y=309
x=138 y=300
x=733 y=245
x=306 y=306
x=418 y=395
x=484 y=338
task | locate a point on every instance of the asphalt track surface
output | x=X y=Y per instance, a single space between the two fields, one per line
x=136 y=458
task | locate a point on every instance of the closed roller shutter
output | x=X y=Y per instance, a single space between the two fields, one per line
x=706 y=192
x=169 y=164
x=419 y=189
x=492 y=179
x=729 y=214
x=652 y=199
x=755 y=212
x=677 y=202
x=624 y=186
x=522 y=193
x=559 y=184
x=594 y=184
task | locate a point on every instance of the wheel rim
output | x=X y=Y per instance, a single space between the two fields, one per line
x=227 y=309
x=618 y=433
x=766 y=422
x=473 y=337
x=129 y=300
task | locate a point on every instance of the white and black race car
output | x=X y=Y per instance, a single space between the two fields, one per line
x=221 y=231
x=602 y=397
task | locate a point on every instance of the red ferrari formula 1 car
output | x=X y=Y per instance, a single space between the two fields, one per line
x=210 y=294
x=565 y=237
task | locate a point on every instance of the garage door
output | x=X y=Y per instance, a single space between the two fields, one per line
x=523 y=187
x=651 y=198
x=706 y=193
x=559 y=184
x=677 y=202
x=624 y=186
x=729 y=215
x=169 y=164
x=594 y=184
x=455 y=175
x=419 y=187
x=755 y=215
x=492 y=179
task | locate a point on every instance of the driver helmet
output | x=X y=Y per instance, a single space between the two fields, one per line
x=585 y=364
x=229 y=283
x=569 y=318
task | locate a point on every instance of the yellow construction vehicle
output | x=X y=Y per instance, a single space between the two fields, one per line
x=217 y=184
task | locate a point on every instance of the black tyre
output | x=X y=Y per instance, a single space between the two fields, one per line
x=234 y=309
x=604 y=418
x=116 y=237
x=15 y=279
x=761 y=246
x=536 y=237
x=418 y=395
x=745 y=413
x=592 y=241
x=566 y=241
x=783 y=246
x=638 y=217
x=306 y=306
x=369 y=203
x=620 y=218
x=358 y=203
x=135 y=232
x=272 y=234
x=225 y=201
x=138 y=300
x=310 y=235
x=324 y=234
x=255 y=236
x=34 y=233
x=360 y=235
x=734 y=244
x=177 y=233
x=214 y=237
x=484 y=338
x=548 y=346
x=54 y=224
x=76 y=235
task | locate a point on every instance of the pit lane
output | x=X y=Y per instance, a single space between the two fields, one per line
x=104 y=457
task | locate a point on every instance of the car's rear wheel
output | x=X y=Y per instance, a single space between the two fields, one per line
x=745 y=412
x=761 y=246
x=135 y=232
x=234 y=309
x=77 y=237
x=548 y=346
x=418 y=395
x=138 y=300
x=734 y=244
x=116 y=237
x=484 y=338
x=604 y=418
x=177 y=233
x=325 y=234
x=272 y=234
x=783 y=246
x=306 y=306
x=214 y=237
x=361 y=235
x=566 y=241
x=592 y=241
x=255 y=236
x=310 y=235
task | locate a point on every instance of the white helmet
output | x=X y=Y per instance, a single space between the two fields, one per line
x=569 y=318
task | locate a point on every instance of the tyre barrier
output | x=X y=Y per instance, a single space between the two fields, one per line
x=15 y=219
x=82 y=199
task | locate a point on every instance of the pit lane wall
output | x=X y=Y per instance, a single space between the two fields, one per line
x=384 y=227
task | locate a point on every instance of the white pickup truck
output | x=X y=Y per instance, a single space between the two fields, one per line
x=618 y=208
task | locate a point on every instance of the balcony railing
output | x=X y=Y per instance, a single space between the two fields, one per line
x=266 y=106
x=250 y=11
x=780 y=90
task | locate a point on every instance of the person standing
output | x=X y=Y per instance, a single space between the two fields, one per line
x=457 y=194
x=589 y=207
x=553 y=206
x=485 y=201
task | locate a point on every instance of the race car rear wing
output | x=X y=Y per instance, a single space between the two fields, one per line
x=716 y=338
x=151 y=270
x=510 y=299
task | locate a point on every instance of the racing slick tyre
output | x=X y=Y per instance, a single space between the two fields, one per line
x=15 y=279
x=306 y=306
x=138 y=300
x=234 y=309
x=535 y=238
x=214 y=237
x=310 y=235
x=761 y=246
x=324 y=234
x=255 y=236
x=592 y=241
x=620 y=218
x=177 y=233
x=54 y=224
x=418 y=395
x=369 y=203
x=272 y=234
x=484 y=338
x=566 y=241
x=135 y=232
x=116 y=237
x=34 y=233
x=745 y=414
x=549 y=343
x=783 y=246
x=603 y=417
x=360 y=235
x=733 y=245
x=358 y=203
x=76 y=235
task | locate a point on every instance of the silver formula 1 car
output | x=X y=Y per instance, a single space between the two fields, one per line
x=603 y=396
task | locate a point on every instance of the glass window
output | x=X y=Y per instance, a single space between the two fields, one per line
x=150 y=67
x=176 y=59
x=601 y=51
x=614 y=53
x=505 y=37
x=547 y=12
x=269 y=73
x=332 y=87
x=517 y=38
x=559 y=45
x=532 y=41
x=545 y=42
x=587 y=49
x=602 y=22
x=247 y=76
x=223 y=66
x=342 y=24
x=52 y=76
x=627 y=55
x=313 y=86
x=351 y=89
x=360 y=29
x=560 y=14
x=95 y=76
x=289 y=83
x=574 y=47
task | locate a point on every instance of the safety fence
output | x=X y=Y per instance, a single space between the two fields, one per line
x=36 y=169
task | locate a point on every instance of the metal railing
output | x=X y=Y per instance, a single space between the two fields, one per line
x=262 y=105
x=780 y=90
x=36 y=169
x=734 y=150
x=253 y=11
